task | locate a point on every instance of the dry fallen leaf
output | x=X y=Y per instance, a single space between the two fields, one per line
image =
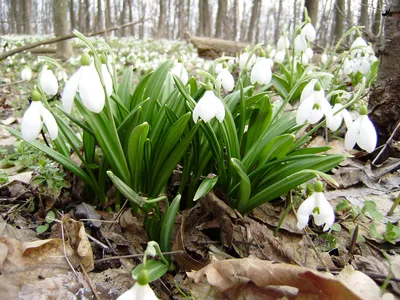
x=252 y=277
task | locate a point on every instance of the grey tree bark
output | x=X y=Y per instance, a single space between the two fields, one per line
x=384 y=101
x=72 y=14
x=204 y=28
x=278 y=22
x=377 y=18
x=338 y=24
x=61 y=27
x=312 y=8
x=364 y=18
x=221 y=17
x=122 y=19
x=99 y=18
x=26 y=16
x=235 y=19
x=161 y=20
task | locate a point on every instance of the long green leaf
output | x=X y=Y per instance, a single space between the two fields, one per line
x=155 y=269
x=168 y=225
x=126 y=190
x=245 y=187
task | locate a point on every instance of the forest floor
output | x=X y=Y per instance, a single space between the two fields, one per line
x=261 y=255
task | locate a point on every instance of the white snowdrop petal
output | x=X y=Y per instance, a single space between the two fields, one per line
x=225 y=78
x=261 y=72
x=68 y=96
x=309 y=32
x=220 y=110
x=50 y=122
x=350 y=138
x=304 y=110
x=367 y=137
x=326 y=214
x=107 y=79
x=138 y=292
x=304 y=211
x=315 y=116
x=179 y=71
x=347 y=117
x=48 y=82
x=279 y=57
x=91 y=90
x=31 y=123
x=300 y=44
x=308 y=90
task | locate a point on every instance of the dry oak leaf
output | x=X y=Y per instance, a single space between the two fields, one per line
x=232 y=277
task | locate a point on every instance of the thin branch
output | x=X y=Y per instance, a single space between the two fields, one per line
x=387 y=143
x=62 y=38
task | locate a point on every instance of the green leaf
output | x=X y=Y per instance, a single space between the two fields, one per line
x=50 y=217
x=277 y=148
x=245 y=187
x=281 y=86
x=125 y=87
x=89 y=145
x=155 y=268
x=205 y=187
x=136 y=153
x=126 y=190
x=168 y=225
x=336 y=227
x=42 y=228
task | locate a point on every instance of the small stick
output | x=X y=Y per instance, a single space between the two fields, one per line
x=97 y=241
x=315 y=250
x=12 y=83
x=92 y=287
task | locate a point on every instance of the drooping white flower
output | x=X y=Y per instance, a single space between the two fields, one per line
x=33 y=119
x=324 y=58
x=359 y=42
x=362 y=132
x=243 y=59
x=48 y=82
x=313 y=108
x=300 y=44
x=179 y=71
x=283 y=43
x=317 y=206
x=305 y=59
x=308 y=89
x=26 y=73
x=107 y=79
x=87 y=82
x=310 y=53
x=308 y=32
x=279 y=57
x=139 y=292
x=362 y=65
x=261 y=72
x=333 y=122
x=226 y=80
x=62 y=75
x=208 y=107
x=347 y=66
x=218 y=68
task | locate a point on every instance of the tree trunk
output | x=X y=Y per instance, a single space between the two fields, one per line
x=277 y=22
x=161 y=20
x=143 y=13
x=364 y=18
x=204 y=19
x=72 y=14
x=99 y=18
x=122 y=19
x=26 y=16
x=61 y=27
x=235 y=19
x=385 y=97
x=338 y=23
x=377 y=18
x=87 y=16
x=221 y=17
x=131 y=30
x=312 y=8
x=253 y=19
x=243 y=24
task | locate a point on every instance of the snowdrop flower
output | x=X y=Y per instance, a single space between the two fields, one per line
x=362 y=132
x=226 y=80
x=317 y=206
x=107 y=79
x=208 y=107
x=334 y=121
x=359 y=42
x=279 y=57
x=324 y=58
x=87 y=82
x=261 y=72
x=48 y=82
x=314 y=107
x=310 y=53
x=347 y=66
x=308 y=32
x=26 y=73
x=308 y=90
x=34 y=117
x=218 y=68
x=283 y=43
x=140 y=290
x=179 y=71
x=62 y=75
x=243 y=59
x=300 y=44
x=362 y=65
x=304 y=59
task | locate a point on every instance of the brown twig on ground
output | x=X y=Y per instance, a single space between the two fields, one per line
x=136 y=256
x=89 y=281
x=309 y=240
x=62 y=38
x=12 y=83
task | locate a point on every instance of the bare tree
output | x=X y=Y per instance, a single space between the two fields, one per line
x=26 y=16
x=385 y=97
x=312 y=8
x=161 y=20
x=221 y=17
x=364 y=18
x=61 y=27
x=377 y=18
x=236 y=17
x=204 y=28
x=72 y=14
x=122 y=19
x=338 y=24
x=277 y=17
x=99 y=18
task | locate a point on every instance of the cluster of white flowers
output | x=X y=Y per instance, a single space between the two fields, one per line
x=360 y=59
